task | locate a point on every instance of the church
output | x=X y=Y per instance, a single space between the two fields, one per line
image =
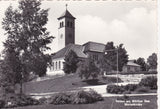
x=66 y=43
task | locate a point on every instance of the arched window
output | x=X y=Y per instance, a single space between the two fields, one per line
x=71 y=24
x=59 y=64
x=62 y=24
x=56 y=65
x=67 y=23
x=61 y=36
x=53 y=66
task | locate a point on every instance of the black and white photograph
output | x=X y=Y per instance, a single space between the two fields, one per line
x=78 y=54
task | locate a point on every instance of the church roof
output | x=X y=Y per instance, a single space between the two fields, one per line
x=94 y=46
x=66 y=14
x=78 y=49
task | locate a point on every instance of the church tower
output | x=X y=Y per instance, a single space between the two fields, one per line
x=66 y=30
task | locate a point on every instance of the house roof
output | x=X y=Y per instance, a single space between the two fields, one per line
x=66 y=14
x=132 y=64
x=78 y=49
x=94 y=46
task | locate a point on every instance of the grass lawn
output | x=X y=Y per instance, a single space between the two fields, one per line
x=108 y=103
x=60 y=84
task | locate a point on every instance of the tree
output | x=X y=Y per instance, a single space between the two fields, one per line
x=70 y=64
x=152 y=61
x=110 y=57
x=87 y=69
x=140 y=61
x=27 y=38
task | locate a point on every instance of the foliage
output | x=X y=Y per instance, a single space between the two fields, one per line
x=122 y=89
x=152 y=61
x=141 y=61
x=43 y=100
x=131 y=87
x=142 y=89
x=70 y=64
x=27 y=39
x=150 y=81
x=86 y=97
x=60 y=98
x=109 y=61
x=115 y=89
x=79 y=97
x=14 y=100
x=88 y=69
x=2 y=103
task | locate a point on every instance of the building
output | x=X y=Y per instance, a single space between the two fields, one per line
x=131 y=67
x=66 y=42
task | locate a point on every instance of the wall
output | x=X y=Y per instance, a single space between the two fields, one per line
x=56 y=69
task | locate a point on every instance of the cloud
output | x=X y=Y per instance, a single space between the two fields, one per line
x=137 y=30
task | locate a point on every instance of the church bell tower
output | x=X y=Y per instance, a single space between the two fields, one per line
x=66 y=30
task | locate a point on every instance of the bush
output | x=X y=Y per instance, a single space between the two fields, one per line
x=150 y=81
x=80 y=97
x=115 y=89
x=2 y=103
x=19 y=100
x=43 y=100
x=142 y=89
x=86 y=97
x=122 y=89
x=60 y=98
x=131 y=87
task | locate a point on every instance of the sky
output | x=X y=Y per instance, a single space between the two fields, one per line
x=133 y=23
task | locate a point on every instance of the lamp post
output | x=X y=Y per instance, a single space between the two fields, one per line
x=117 y=60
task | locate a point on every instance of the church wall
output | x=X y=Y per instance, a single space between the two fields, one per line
x=57 y=67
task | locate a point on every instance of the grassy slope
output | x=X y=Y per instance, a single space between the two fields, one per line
x=108 y=103
x=60 y=84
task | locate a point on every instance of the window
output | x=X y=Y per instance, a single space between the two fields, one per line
x=67 y=23
x=53 y=66
x=59 y=64
x=62 y=24
x=71 y=24
x=56 y=65
x=61 y=36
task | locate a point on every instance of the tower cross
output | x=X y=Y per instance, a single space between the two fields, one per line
x=66 y=6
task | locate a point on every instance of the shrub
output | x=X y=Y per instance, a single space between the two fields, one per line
x=95 y=95
x=150 y=81
x=86 y=97
x=19 y=100
x=79 y=97
x=142 y=89
x=43 y=100
x=2 y=103
x=115 y=89
x=60 y=98
x=131 y=87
